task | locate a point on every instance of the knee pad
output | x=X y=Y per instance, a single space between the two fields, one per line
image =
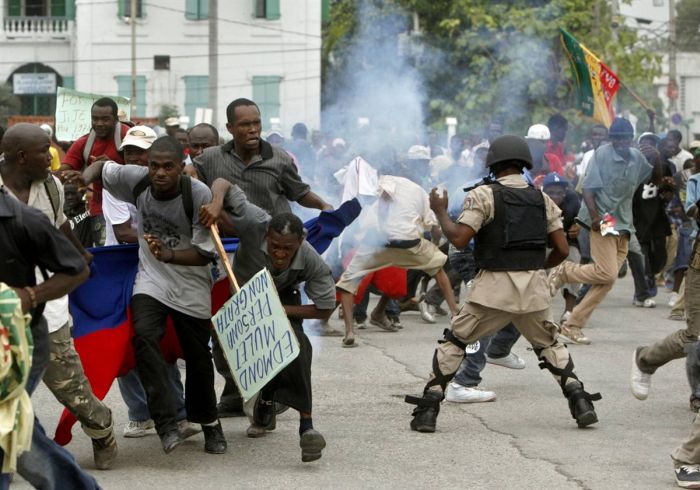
x=441 y=378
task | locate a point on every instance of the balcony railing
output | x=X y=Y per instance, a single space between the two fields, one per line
x=39 y=27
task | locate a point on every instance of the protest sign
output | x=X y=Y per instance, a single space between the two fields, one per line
x=73 y=112
x=255 y=334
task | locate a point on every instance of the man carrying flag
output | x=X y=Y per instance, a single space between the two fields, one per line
x=173 y=280
x=279 y=245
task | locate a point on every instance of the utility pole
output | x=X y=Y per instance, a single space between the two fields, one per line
x=213 y=59
x=672 y=91
x=132 y=15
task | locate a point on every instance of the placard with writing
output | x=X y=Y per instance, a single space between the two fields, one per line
x=73 y=112
x=255 y=334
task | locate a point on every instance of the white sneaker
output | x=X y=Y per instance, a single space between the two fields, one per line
x=139 y=429
x=425 y=313
x=673 y=299
x=511 y=361
x=647 y=303
x=639 y=381
x=457 y=393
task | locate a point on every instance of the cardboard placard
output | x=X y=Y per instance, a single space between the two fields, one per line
x=73 y=112
x=255 y=334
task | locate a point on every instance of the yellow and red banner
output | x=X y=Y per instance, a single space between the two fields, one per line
x=596 y=84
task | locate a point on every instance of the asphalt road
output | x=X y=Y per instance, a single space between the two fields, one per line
x=525 y=439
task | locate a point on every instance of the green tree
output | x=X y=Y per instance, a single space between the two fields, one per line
x=688 y=25
x=9 y=104
x=503 y=59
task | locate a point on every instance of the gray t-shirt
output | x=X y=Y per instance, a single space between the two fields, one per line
x=186 y=289
x=614 y=180
x=251 y=256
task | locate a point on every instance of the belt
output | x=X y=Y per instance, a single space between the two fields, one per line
x=402 y=243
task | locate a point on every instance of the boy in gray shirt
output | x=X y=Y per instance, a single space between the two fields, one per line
x=173 y=280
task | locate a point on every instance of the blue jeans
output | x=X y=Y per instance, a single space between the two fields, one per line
x=497 y=345
x=359 y=311
x=134 y=395
x=47 y=465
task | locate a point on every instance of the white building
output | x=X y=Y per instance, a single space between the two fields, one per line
x=268 y=50
x=650 y=18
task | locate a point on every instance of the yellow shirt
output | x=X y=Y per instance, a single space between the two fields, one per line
x=511 y=291
x=55 y=159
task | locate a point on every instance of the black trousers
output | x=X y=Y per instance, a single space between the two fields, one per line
x=149 y=316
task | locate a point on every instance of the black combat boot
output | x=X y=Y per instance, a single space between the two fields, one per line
x=425 y=414
x=581 y=404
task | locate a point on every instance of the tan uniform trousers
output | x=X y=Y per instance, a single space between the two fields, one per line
x=475 y=321
x=608 y=254
x=66 y=379
x=689 y=451
x=649 y=359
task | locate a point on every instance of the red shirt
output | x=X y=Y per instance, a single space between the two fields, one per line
x=74 y=159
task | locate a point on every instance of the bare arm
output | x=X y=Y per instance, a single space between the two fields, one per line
x=307 y=312
x=458 y=234
x=212 y=213
x=68 y=232
x=189 y=256
x=124 y=233
x=589 y=201
x=560 y=249
x=55 y=287
x=313 y=200
x=93 y=172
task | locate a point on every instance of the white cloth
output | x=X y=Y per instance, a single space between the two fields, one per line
x=680 y=158
x=358 y=178
x=117 y=212
x=581 y=169
x=55 y=311
x=403 y=210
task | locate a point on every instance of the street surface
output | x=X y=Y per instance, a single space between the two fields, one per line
x=525 y=439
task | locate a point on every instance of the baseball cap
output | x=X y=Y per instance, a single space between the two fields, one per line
x=338 y=142
x=172 y=121
x=418 y=152
x=695 y=144
x=139 y=136
x=553 y=178
x=649 y=135
x=621 y=127
x=538 y=132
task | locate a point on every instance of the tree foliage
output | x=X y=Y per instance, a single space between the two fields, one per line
x=501 y=59
x=688 y=25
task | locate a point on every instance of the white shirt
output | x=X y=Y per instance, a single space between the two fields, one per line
x=55 y=311
x=403 y=210
x=680 y=158
x=117 y=212
x=581 y=169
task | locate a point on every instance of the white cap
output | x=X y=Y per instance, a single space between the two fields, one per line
x=338 y=142
x=47 y=129
x=418 y=152
x=172 y=121
x=694 y=144
x=538 y=132
x=139 y=136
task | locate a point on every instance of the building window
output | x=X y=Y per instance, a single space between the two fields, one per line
x=124 y=9
x=161 y=62
x=196 y=9
x=196 y=94
x=124 y=90
x=267 y=9
x=41 y=8
x=266 y=93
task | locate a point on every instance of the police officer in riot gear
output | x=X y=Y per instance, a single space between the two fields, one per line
x=512 y=223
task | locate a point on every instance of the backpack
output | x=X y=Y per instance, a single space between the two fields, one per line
x=54 y=196
x=91 y=142
x=185 y=185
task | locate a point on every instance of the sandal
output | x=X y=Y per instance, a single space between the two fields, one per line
x=349 y=342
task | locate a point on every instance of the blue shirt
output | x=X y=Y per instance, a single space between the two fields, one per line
x=614 y=181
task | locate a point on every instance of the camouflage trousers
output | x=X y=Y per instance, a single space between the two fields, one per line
x=66 y=379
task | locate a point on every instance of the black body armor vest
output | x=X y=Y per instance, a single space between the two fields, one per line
x=516 y=239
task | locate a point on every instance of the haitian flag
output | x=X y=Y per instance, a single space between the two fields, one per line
x=596 y=84
x=102 y=328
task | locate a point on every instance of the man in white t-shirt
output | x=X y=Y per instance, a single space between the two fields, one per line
x=25 y=175
x=121 y=220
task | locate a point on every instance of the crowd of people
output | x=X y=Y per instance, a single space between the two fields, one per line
x=512 y=220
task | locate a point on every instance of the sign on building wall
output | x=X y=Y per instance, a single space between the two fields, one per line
x=255 y=334
x=33 y=83
x=73 y=112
